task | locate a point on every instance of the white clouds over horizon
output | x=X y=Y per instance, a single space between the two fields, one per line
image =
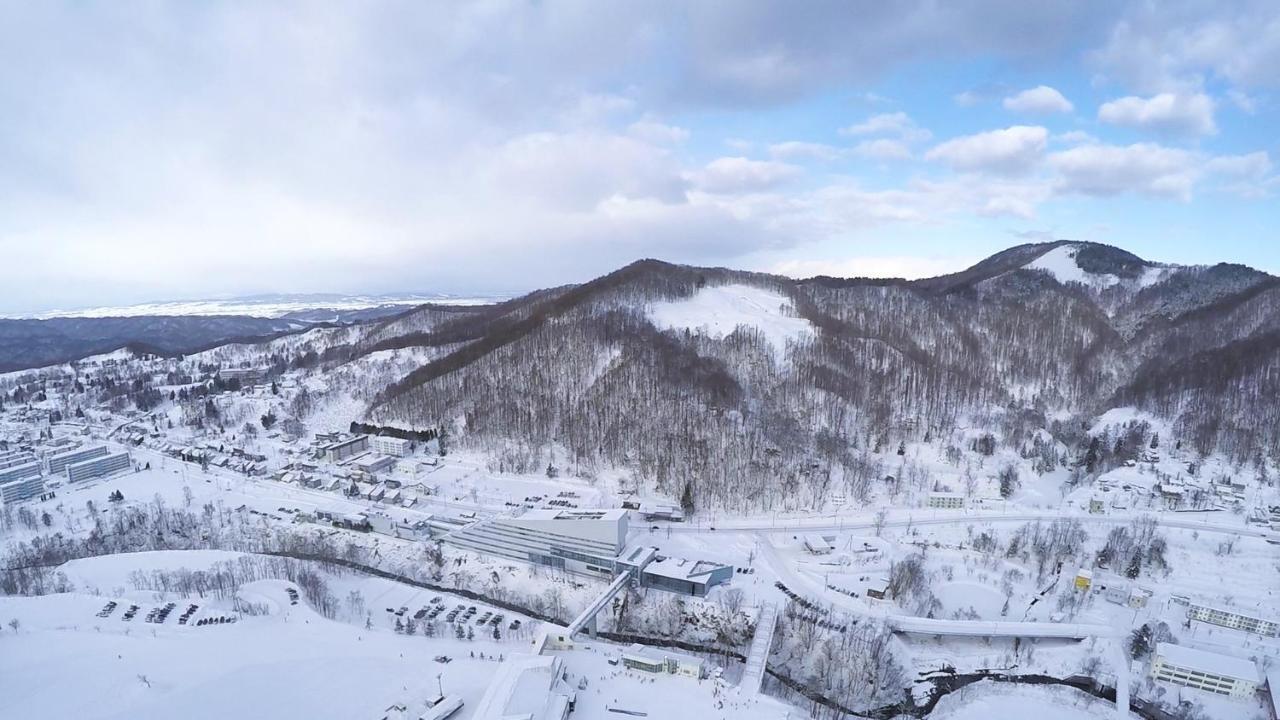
x=219 y=148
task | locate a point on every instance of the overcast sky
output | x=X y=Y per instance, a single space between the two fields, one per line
x=167 y=151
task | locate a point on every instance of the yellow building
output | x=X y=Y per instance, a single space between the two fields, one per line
x=1084 y=579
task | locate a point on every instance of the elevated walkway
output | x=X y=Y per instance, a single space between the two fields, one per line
x=758 y=654
x=586 y=619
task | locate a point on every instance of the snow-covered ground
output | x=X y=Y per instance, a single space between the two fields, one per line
x=62 y=661
x=718 y=311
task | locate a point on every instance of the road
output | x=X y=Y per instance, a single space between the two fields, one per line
x=862 y=522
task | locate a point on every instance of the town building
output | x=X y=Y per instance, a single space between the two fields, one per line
x=13 y=491
x=581 y=541
x=946 y=501
x=15 y=458
x=393 y=446
x=375 y=464
x=661 y=661
x=1097 y=505
x=342 y=449
x=661 y=511
x=97 y=467
x=246 y=376
x=684 y=576
x=56 y=463
x=20 y=472
x=1211 y=672
x=1234 y=620
x=817 y=544
x=527 y=687
x=1084 y=579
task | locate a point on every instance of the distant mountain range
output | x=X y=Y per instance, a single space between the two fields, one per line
x=311 y=306
x=182 y=327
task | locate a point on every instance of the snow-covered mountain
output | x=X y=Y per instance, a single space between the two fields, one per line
x=271 y=305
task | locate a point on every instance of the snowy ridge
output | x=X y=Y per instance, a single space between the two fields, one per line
x=273 y=306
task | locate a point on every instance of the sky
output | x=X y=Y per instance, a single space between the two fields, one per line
x=155 y=151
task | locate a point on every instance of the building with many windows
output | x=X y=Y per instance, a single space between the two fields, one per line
x=12 y=491
x=661 y=661
x=1211 y=672
x=343 y=449
x=20 y=472
x=580 y=541
x=15 y=458
x=1234 y=620
x=393 y=446
x=97 y=467
x=946 y=501
x=56 y=463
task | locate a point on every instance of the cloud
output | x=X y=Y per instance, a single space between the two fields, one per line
x=1180 y=46
x=799 y=150
x=896 y=123
x=1012 y=150
x=653 y=131
x=910 y=267
x=728 y=175
x=1040 y=100
x=1143 y=168
x=882 y=149
x=1253 y=166
x=1166 y=112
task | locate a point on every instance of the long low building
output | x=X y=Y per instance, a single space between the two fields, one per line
x=1234 y=620
x=1211 y=672
x=20 y=472
x=580 y=541
x=97 y=467
x=15 y=458
x=56 y=463
x=18 y=490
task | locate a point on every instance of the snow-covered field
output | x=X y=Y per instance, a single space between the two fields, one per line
x=62 y=661
x=718 y=311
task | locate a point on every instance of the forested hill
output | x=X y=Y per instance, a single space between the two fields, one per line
x=744 y=385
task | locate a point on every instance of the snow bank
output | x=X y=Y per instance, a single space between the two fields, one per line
x=718 y=311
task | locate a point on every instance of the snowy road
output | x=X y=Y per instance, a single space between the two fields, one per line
x=861 y=522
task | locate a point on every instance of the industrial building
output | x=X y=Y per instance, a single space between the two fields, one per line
x=1211 y=672
x=246 y=376
x=946 y=501
x=343 y=449
x=528 y=687
x=393 y=446
x=580 y=541
x=1234 y=620
x=97 y=467
x=12 y=491
x=56 y=463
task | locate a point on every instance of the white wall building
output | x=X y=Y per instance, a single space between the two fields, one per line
x=13 y=491
x=1234 y=620
x=1211 y=672
x=97 y=467
x=56 y=463
x=393 y=446
x=946 y=501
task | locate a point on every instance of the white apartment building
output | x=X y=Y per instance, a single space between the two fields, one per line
x=97 y=467
x=394 y=446
x=56 y=463
x=946 y=501
x=12 y=491
x=1211 y=672
x=1234 y=620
